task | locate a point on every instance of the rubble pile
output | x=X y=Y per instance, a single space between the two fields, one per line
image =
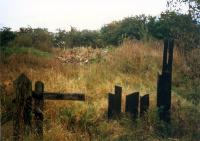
x=81 y=55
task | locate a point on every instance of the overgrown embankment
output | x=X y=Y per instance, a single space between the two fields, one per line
x=133 y=65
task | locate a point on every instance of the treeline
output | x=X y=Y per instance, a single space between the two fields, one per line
x=169 y=24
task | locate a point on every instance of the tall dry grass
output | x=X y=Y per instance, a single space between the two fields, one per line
x=133 y=65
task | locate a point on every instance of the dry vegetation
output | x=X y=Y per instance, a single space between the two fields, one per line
x=133 y=65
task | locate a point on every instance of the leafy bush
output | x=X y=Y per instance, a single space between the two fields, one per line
x=6 y=35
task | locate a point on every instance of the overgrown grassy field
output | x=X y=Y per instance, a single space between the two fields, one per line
x=133 y=65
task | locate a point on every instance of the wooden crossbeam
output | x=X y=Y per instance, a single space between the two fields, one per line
x=60 y=96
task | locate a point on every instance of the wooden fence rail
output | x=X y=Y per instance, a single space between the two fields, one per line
x=60 y=96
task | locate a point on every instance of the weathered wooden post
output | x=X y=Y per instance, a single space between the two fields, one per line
x=164 y=82
x=132 y=103
x=110 y=105
x=118 y=100
x=38 y=105
x=114 y=102
x=22 y=110
x=144 y=104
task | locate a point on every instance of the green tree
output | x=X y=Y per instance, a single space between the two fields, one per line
x=111 y=34
x=91 y=38
x=193 y=7
x=24 y=37
x=41 y=38
x=131 y=27
x=178 y=26
x=134 y=27
x=6 y=36
x=59 y=39
x=73 y=38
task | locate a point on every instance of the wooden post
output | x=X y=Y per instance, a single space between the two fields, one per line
x=118 y=100
x=114 y=102
x=165 y=81
x=170 y=59
x=144 y=104
x=165 y=56
x=132 y=102
x=110 y=105
x=159 y=90
x=39 y=103
x=21 y=119
x=28 y=115
x=166 y=97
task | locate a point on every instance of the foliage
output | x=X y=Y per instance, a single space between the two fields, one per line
x=41 y=38
x=6 y=35
x=75 y=38
x=59 y=38
x=178 y=26
x=181 y=27
x=193 y=7
x=131 y=27
x=28 y=37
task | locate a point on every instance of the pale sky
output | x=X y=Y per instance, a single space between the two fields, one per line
x=82 y=14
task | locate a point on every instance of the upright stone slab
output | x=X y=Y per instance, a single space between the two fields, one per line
x=39 y=104
x=114 y=103
x=22 y=109
x=144 y=104
x=132 y=103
